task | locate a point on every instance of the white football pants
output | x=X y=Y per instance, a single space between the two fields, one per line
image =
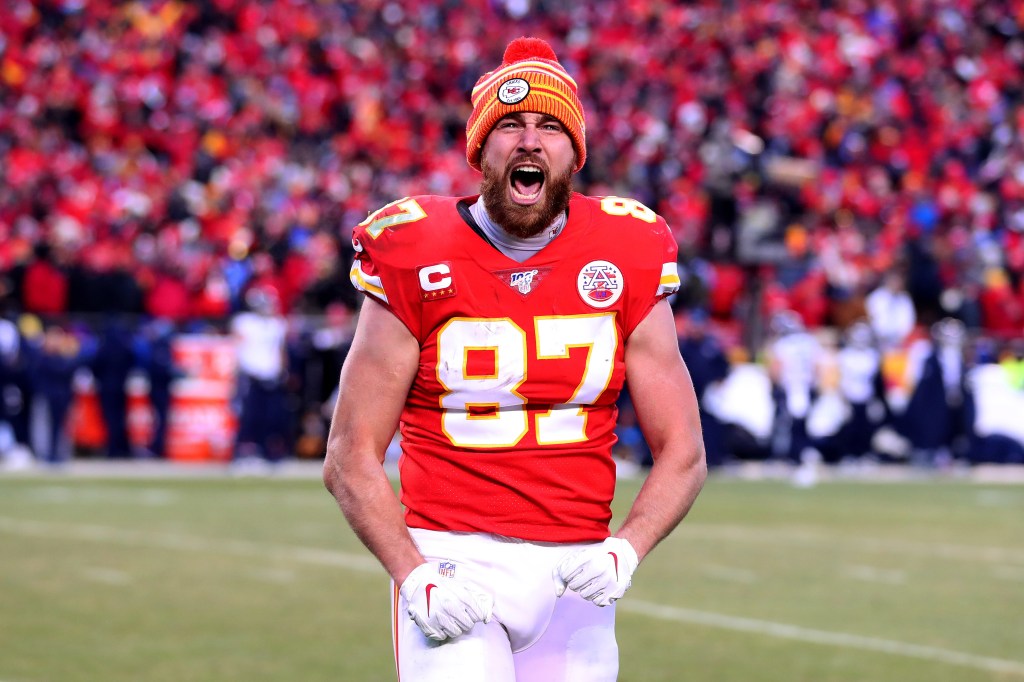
x=533 y=636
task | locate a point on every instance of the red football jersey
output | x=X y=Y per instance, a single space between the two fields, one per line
x=509 y=425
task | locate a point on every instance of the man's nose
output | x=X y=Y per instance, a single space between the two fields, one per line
x=530 y=139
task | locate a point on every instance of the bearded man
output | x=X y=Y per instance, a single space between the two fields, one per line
x=497 y=332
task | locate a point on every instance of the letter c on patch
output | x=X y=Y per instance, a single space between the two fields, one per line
x=435 y=277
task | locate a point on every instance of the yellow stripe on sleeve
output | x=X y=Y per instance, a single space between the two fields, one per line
x=368 y=284
x=669 y=283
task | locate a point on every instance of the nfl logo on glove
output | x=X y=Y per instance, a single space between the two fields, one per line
x=447 y=569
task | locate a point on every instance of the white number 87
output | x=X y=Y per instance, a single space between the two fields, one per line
x=486 y=410
x=622 y=206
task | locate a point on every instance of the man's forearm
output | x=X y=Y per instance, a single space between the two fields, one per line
x=664 y=500
x=372 y=509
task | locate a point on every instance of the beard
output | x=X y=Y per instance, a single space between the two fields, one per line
x=525 y=221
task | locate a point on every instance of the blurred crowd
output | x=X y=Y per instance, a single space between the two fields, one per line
x=162 y=156
x=847 y=161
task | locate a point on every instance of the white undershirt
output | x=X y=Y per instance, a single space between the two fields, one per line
x=515 y=248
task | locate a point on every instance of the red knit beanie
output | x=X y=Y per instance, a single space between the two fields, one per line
x=529 y=79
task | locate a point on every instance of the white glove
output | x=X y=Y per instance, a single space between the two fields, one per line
x=444 y=607
x=601 y=573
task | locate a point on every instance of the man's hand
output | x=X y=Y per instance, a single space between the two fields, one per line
x=600 y=574
x=444 y=607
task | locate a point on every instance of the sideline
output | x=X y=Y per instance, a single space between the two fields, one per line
x=998 y=474
x=813 y=636
x=358 y=562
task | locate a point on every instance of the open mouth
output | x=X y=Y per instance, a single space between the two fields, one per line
x=526 y=182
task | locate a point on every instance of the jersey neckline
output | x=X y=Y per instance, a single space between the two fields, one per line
x=481 y=250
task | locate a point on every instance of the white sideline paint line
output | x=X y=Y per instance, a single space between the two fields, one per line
x=874 y=574
x=1006 y=573
x=273 y=576
x=729 y=573
x=840 y=639
x=799 y=537
x=323 y=557
x=59 y=494
x=106 y=576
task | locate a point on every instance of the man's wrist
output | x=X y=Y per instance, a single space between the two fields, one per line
x=402 y=574
x=633 y=544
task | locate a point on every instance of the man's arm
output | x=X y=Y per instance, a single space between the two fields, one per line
x=374 y=384
x=666 y=408
x=375 y=381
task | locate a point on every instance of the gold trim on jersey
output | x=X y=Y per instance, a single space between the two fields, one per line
x=669 y=283
x=368 y=284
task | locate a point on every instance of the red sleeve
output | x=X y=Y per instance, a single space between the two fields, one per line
x=379 y=269
x=655 y=275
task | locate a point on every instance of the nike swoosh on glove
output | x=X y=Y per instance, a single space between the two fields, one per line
x=601 y=573
x=444 y=607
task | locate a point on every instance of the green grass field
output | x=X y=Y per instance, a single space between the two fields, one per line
x=260 y=579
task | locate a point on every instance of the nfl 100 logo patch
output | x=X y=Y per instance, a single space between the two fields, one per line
x=523 y=281
x=447 y=569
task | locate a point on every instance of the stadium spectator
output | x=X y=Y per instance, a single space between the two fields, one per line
x=707 y=363
x=261 y=334
x=994 y=405
x=10 y=353
x=112 y=362
x=1013 y=362
x=933 y=419
x=744 y=403
x=55 y=358
x=20 y=393
x=153 y=353
x=44 y=285
x=860 y=367
x=891 y=311
x=794 y=357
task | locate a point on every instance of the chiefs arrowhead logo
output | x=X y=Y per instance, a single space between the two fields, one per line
x=513 y=91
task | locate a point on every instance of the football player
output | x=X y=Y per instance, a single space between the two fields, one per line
x=497 y=332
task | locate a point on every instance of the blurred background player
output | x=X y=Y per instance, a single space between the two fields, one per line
x=55 y=358
x=860 y=365
x=933 y=419
x=499 y=330
x=260 y=333
x=708 y=365
x=794 y=356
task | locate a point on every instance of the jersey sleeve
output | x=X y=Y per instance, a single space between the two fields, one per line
x=380 y=269
x=657 y=274
x=669 y=282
